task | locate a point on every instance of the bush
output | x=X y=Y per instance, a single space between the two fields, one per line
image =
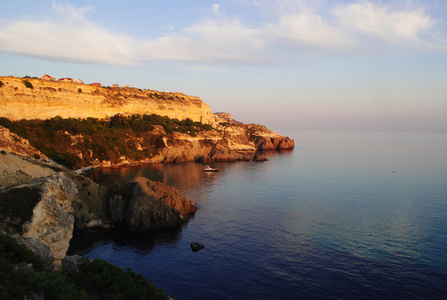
x=79 y=90
x=103 y=140
x=28 y=84
x=1 y=83
x=15 y=253
x=107 y=281
x=23 y=276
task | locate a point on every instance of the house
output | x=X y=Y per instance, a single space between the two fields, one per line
x=96 y=84
x=115 y=85
x=78 y=81
x=66 y=79
x=47 y=77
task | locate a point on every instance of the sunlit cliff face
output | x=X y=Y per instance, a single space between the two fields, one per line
x=46 y=99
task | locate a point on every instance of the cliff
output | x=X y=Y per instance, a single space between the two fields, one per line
x=46 y=99
x=41 y=209
x=144 y=205
x=81 y=125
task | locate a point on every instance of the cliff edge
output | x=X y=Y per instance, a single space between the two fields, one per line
x=31 y=98
x=80 y=125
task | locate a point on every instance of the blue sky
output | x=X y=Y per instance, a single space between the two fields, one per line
x=298 y=64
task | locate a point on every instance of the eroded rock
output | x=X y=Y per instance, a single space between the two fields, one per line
x=146 y=205
x=41 y=210
x=275 y=143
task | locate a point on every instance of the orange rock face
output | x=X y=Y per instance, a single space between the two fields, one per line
x=146 y=205
x=48 y=99
x=275 y=143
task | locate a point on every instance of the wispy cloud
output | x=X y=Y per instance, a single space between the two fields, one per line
x=72 y=13
x=215 y=8
x=210 y=42
x=400 y=27
x=301 y=26
x=68 y=37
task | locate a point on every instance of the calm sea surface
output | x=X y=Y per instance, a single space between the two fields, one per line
x=345 y=215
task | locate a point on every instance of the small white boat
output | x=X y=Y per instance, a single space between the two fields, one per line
x=209 y=169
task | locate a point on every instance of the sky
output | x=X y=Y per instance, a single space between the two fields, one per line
x=288 y=64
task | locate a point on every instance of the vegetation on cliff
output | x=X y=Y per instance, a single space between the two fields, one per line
x=24 y=276
x=79 y=142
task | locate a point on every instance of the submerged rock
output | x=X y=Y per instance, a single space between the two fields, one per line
x=146 y=205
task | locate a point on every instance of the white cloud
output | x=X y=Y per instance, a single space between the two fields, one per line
x=403 y=27
x=71 y=13
x=300 y=26
x=309 y=31
x=211 y=41
x=72 y=42
x=215 y=8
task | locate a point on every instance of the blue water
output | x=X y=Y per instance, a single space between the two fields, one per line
x=345 y=215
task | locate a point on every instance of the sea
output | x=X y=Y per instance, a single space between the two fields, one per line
x=345 y=215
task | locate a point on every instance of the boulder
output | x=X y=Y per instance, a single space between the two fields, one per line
x=260 y=158
x=286 y=144
x=70 y=264
x=41 y=210
x=223 y=155
x=40 y=249
x=146 y=205
x=91 y=201
x=196 y=246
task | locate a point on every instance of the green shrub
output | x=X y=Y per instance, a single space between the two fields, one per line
x=103 y=140
x=24 y=276
x=15 y=253
x=79 y=90
x=1 y=83
x=107 y=281
x=28 y=84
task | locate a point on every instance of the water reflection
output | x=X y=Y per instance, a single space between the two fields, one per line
x=86 y=240
x=328 y=220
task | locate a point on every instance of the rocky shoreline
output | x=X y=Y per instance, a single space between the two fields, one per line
x=42 y=202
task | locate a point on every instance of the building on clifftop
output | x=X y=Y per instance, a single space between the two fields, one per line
x=66 y=79
x=47 y=77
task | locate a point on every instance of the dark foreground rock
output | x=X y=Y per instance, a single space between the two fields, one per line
x=45 y=211
x=41 y=210
x=144 y=205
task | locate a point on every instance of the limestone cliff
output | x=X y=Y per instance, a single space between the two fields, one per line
x=46 y=99
x=124 y=138
x=41 y=210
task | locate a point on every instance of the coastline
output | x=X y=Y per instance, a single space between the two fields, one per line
x=43 y=161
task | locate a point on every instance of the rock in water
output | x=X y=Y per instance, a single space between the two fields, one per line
x=196 y=246
x=146 y=205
